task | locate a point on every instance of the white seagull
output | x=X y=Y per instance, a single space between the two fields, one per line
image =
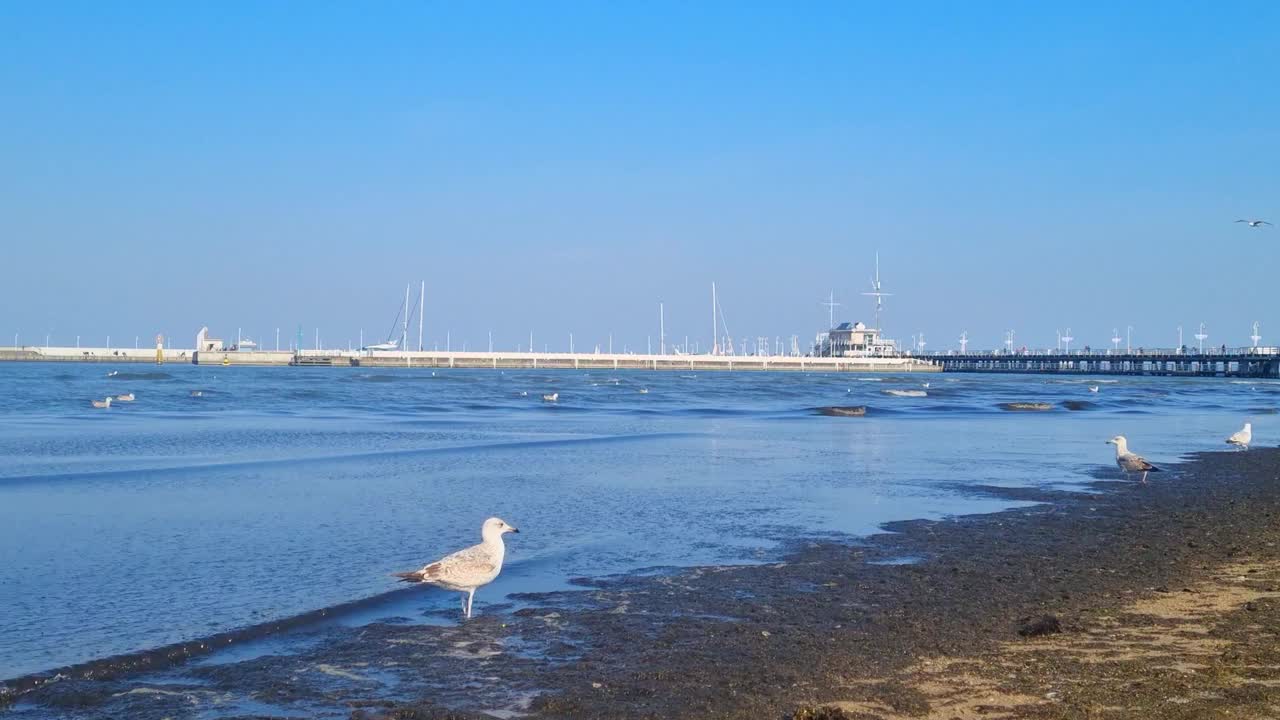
x=127 y=397
x=466 y=570
x=1093 y=388
x=551 y=397
x=1254 y=223
x=1241 y=438
x=102 y=403
x=1130 y=462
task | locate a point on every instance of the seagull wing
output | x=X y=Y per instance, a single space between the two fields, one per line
x=472 y=566
x=1135 y=463
x=1263 y=222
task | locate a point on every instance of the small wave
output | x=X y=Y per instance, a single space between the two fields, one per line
x=1025 y=406
x=906 y=393
x=1263 y=411
x=64 y=376
x=141 y=376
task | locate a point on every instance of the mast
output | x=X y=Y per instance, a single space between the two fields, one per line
x=662 y=331
x=715 y=328
x=877 y=293
x=422 y=306
x=404 y=329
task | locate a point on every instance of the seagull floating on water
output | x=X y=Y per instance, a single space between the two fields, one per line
x=127 y=397
x=551 y=397
x=1093 y=388
x=1130 y=462
x=466 y=570
x=1241 y=438
x=102 y=403
x=1254 y=223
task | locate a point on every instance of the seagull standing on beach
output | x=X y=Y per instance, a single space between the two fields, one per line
x=1241 y=438
x=1254 y=223
x=466 y=570
x=1129 y=462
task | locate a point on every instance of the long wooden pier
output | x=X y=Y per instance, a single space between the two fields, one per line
x=1232 y=362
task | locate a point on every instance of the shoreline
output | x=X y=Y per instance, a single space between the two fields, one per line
x=846 y=628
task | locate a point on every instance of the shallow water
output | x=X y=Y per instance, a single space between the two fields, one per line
x=283 y=490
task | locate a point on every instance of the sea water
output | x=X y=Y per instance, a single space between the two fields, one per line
x=226 y=497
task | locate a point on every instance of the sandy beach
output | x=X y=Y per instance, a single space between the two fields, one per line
x=1158 y=601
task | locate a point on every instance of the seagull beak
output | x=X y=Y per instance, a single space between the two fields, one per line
x=514 y=529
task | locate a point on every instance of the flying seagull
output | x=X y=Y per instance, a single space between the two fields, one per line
x=466 y=570
x=1241 y=438
x=1255 y=223
x=1129 y=462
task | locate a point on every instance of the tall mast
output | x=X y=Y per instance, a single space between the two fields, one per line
x=831 y=309
x=422 y=306
x=876 y=292
x=662 y=331
x=404 y=330
x=715 y=327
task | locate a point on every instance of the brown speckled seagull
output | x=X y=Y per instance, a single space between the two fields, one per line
x=1129 y=462
x=468 y=569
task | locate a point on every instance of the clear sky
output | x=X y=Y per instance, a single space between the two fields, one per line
x=563 y=167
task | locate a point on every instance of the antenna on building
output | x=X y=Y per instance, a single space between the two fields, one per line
x=964 y=342
x=831 y=309
x=1008 y=341
x=1066 y=339
x=876 y=292
x=1180 y=343
x=1201 y=336
x=1255 y=337
x=1115 y=338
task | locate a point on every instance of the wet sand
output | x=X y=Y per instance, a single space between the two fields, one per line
x=1157 y=601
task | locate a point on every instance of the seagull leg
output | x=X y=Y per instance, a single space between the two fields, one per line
x=464 y=605
x=1144 y=477
x=470 y=596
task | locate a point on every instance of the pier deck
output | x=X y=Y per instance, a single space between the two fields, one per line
x=1241 y=362
x=478 y=360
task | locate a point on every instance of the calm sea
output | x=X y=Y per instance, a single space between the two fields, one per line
x=278 y=491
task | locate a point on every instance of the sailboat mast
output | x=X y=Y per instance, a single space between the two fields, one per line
x=422 y=306
x=404 y=330
x=715 y=325
x=662 y=331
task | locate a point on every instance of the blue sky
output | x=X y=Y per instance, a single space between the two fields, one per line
x=563 y=167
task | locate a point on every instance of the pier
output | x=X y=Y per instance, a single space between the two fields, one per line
x=1254 y=362
x=479 y=360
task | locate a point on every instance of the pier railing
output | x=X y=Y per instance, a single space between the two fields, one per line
x=1220 y=361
